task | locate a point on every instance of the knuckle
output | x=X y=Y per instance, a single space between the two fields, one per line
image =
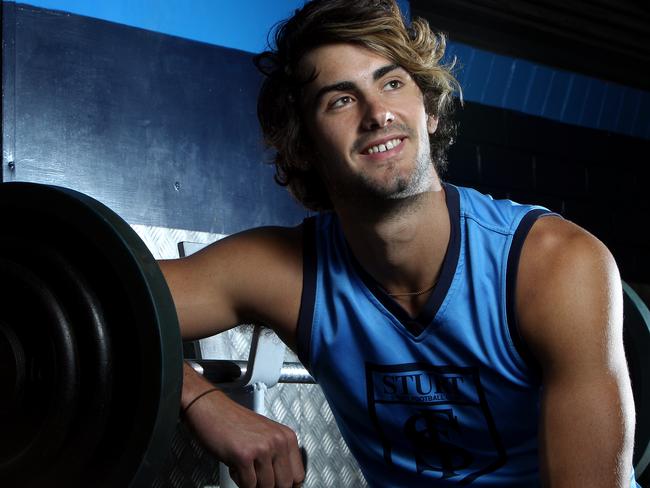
x=279 y=440
x=289 y=433
x=289 y=437
x=265 y=448
x=293 y=438
x=244 y=455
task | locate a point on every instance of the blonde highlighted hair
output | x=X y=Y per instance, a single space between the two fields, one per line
x=374 y=24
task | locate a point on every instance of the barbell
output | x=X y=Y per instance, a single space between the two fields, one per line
x=90 y=349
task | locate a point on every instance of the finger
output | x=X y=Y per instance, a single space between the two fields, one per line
x=264 y=472
x=297 y=459
x=283 y=471
x=243 y=476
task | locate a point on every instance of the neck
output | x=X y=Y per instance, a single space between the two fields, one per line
x=401 y=244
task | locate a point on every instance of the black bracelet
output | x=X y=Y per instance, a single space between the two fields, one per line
x=198 y=397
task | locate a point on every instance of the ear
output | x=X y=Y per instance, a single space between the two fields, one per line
x=432 y=123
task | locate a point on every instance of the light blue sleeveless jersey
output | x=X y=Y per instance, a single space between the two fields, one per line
x=446 y=399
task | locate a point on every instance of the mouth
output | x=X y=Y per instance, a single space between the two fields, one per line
x=383 y=146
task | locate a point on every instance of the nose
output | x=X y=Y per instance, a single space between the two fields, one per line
x=377 y=115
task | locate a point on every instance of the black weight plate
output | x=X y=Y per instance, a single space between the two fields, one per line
x=142 y=324
x=93 y=347
x=38 y=331
x=13 y=370
x=636 y=336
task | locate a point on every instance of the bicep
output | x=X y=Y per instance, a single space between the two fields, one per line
x=250 y=277
x=570 y=307
x=586 y=428
x=587 y=420
x=202 y=300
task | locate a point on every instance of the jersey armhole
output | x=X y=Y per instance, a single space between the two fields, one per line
x=511 y=284
x=308 y=295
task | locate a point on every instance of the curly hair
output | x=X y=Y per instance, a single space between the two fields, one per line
x=374 y=24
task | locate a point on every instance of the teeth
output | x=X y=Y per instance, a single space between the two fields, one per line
x=384 y=147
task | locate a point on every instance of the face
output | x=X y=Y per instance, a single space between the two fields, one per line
x=367 y=125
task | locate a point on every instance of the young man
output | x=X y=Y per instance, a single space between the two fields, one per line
x=459 y=340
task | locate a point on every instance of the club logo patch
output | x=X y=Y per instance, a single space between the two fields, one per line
x=437 y=418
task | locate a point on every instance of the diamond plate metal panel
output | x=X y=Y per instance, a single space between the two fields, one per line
x=191 y=466
x=163 y=242
x=305 y=410
x=301 y=407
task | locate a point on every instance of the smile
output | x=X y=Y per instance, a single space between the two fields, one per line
x=386 y=146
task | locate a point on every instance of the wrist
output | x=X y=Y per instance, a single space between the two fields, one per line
x=193 y=385
x=197 y=398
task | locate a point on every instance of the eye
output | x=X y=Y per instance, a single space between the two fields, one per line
x=393 y=85
x=341 y=102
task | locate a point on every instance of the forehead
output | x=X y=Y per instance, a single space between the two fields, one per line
x=334 y=63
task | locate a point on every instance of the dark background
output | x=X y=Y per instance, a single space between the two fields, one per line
x=608 y=39
x=596 y=179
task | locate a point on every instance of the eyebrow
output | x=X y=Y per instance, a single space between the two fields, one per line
x=351 y=86
x=384 y=70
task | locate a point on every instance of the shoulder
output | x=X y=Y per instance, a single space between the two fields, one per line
x=259 y=258
x=268 y=270
x=559 y=251
x=568 y=289
x=563 y=244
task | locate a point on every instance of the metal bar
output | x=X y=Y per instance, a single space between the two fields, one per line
x=295 y=373
x=223 y=371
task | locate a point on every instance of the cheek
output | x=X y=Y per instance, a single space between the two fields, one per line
x=316 y=136
x=330 y=138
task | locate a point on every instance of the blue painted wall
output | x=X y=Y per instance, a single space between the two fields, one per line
x=160 y=128
x=516 y=84
x=240 y=25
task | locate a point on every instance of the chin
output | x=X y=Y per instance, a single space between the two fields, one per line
x=395 y=191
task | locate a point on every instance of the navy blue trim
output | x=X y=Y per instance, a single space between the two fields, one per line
x=308 y=296
x=511 y=284
x=417 y=325
x=450 y=263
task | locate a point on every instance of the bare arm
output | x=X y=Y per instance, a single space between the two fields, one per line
x=255 y=276
x=251 y=277
x=569 y=304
